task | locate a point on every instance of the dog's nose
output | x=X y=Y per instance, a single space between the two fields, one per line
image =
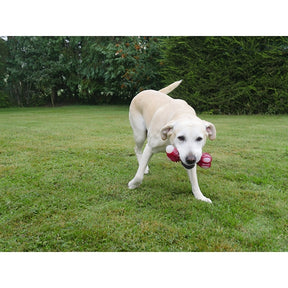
x=190 y=159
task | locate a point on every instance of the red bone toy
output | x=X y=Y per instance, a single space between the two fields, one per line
x=173 y=154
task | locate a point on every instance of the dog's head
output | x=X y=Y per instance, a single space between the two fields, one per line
x=189 y=137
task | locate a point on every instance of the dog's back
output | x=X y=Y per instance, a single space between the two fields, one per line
x=147 y=102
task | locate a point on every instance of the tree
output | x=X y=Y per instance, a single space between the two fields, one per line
x=37 y=69
x=114 y=69
x=90 y=70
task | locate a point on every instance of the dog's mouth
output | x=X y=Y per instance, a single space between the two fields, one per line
x=188 y=166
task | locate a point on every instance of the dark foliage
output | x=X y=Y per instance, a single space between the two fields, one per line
x=232 y=75
x=90 y=70
x=227 y=75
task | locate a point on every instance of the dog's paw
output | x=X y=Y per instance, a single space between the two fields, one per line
x=205 y=199
x=146 y=170
x=133 y=184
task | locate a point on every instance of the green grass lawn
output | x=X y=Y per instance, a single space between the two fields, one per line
x=64 y=175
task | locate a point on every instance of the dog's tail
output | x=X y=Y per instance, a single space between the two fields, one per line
x=171 y=87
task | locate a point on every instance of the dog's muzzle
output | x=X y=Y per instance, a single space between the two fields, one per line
x=190 y=161
x=188 y=166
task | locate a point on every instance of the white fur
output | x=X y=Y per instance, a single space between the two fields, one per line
x=163 y=121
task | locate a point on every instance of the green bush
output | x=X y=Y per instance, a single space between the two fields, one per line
x=222 y=75
x=231 y=75
x=86 y=70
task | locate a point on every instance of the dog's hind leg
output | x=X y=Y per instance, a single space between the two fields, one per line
x=139 y=154
x=140 y=134
x=138 y=178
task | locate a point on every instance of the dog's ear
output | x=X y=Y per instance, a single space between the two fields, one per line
x=167 y=130
x=211 y=130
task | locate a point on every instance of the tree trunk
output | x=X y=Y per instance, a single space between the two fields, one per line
x=53 y=97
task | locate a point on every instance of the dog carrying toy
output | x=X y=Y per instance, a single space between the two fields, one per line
x=205 y=161
x=173 y=154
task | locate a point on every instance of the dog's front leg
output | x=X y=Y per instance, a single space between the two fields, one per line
x=192 y=173
x=137 y=180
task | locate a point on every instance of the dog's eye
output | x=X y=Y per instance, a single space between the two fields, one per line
x=199 y=139
x=181 y=138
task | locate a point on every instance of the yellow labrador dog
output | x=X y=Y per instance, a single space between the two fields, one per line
x=163 y=121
